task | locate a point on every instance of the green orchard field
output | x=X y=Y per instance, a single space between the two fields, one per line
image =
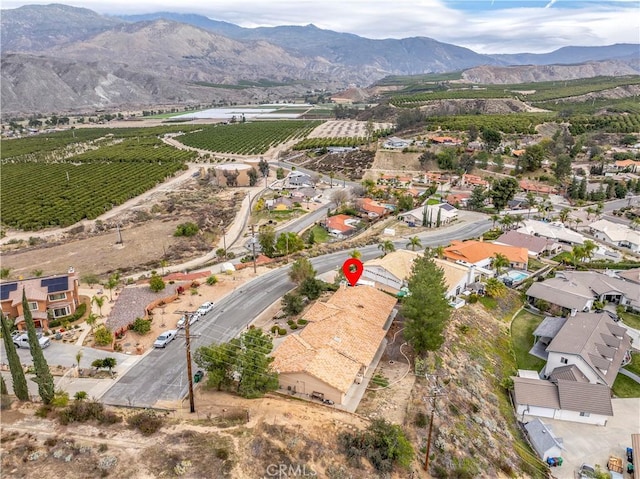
x=252 y=138
x=44 y=184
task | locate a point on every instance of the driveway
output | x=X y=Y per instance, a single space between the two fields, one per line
x=585 y=443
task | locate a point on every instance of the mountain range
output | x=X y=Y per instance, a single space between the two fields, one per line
x=60 y=58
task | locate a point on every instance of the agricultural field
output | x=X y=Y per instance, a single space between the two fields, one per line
x=415 y=95
x=251 y=138
x=312 y=143
x=608 y=123
x=524 y=123
x=347 y=129
x=47 y=187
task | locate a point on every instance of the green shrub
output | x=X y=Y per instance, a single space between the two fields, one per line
x=211 y=280
x=302 y=322
x=83 y=411
x=293 y=326
x=79 y=312
x=420 y=420
x=147 y=422
x=60 y=398
x=274 y=329
x=156 y=283
x=473 y=298
x=43 y=411
x=282 y=332
x=103 y=336
x=186 y=229
x=141 y=326
x=80 y=395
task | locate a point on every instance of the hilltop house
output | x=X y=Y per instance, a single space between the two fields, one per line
x=371 y=208
x=432 y=215
x=395 y=143
x=584 y=354
x=554 y=231
x=341 y=226
x=49 y=297
x=536 y=245
x=332 y=354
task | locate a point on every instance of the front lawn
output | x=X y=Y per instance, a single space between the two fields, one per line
x=535 y=264
x=522 y=329
x=625 y=387
x=631 y=319
x=320 y=235
x=634 y=365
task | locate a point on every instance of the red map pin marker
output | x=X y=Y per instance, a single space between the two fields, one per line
x=352 y=269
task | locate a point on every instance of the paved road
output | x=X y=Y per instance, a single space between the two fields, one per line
x=161 y=374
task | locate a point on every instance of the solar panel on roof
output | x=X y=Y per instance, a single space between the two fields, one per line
x=5 y=290
x=54 y=285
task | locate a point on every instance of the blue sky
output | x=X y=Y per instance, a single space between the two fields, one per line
x=486 y=26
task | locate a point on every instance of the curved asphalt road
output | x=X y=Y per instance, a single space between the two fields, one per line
x=161 y=374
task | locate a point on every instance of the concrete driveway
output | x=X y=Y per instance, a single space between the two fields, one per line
x=585 y=443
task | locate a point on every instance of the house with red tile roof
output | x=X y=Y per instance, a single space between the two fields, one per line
x=341 y=226
x=481 y=253
x=473 y=180
x=445 y=140
x=458 y=199
x=534 y=187
x=632 y=165
x=371 y=208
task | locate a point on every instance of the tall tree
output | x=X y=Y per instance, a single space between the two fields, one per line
x=289 y=242
x=386 y=247
x=217 y=360
x=263 y=166
x=267 y=240
x=43 y=374
x=253 y=365
x=476 y=201
x=427 y=309
x=15 y=366
x=503 y=191
x=500 y=262
x=99 y=302
x=491 y=138
x=300 y=270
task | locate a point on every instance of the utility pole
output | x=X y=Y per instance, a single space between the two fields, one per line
x=192 y=404
x=435 y=394
x=253 y=245
x=224 y=239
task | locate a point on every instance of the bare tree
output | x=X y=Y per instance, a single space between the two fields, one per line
x=341 y=197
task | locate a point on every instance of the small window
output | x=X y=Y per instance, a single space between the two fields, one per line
x=585 y=414
x=564 y=360
x=33 y=306
x=57 y=296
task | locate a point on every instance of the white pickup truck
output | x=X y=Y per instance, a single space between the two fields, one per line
x=21 y=340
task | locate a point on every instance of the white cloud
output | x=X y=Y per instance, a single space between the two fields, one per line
x=494 y=30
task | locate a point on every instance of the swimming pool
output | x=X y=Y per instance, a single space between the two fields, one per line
x=517 y=276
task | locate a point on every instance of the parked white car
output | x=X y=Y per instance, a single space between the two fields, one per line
x=22 y=340
x=182 y=322
x=205 y=308
x=165 y=338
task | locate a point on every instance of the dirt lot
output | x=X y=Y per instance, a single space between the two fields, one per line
x=344 y=129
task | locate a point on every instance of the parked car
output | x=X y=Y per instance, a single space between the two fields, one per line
x=586 y=471
x=21 y=340
x=182 y=322
x=205 y=308
x=165 y=338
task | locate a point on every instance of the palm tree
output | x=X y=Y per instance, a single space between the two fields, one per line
x=439 y=251
x=114 y=279
x=356 y=254
x=414 y=243
x=163 y=264
x=369 y=186
x=531 y=202
x=506 y=221
x=518 y=219
x=332 y=175
x=564 y=215
x=386 y=247
x=99 y=302
x=589 y=248
x=578 y=253
x=589 y=212
x=78 y=358
x=500 y=261
x=91 y=320
x=495 y=219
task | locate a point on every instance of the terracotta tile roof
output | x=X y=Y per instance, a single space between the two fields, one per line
x=626 y=163
x=342 y=336
x=457 y=198
x=445 y=139
x=337 y=223
x=372 y=206
x=473 y=251
x=473 y=180
x=536 y=187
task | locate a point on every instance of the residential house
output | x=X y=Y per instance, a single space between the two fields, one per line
x=563 y=399
x=49 y=297
x=589 y=347
x=392 y=271
x=481 y=254
x=442 y=213
x=616 y=234
x=472 y=181
x=458 y=199
x=630 y=165
x=279 y=204
x=632 y=275
x=371 y=208
x=335 y=350
x=531 y=186
x=562 y=293
x=544 y=442
x=554 y=231
x=303 y=194
x=536 y=245
x=607 y=288
x=414 y=192
x=445 y=140
x=341 y=226
x=395 y=143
